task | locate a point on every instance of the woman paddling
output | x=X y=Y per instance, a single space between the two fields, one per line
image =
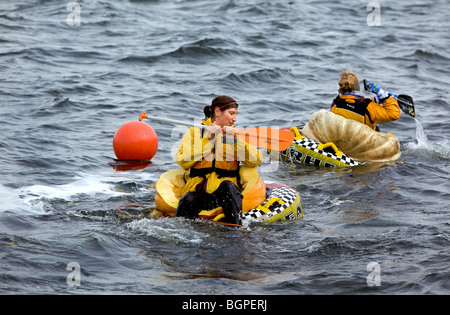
x=213 y=156
x=352 y=104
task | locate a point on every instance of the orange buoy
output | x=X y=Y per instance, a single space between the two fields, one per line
x=135 y=140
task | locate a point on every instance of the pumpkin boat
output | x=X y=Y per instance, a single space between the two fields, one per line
x=331 y=140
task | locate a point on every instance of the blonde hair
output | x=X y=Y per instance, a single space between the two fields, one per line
x=348 y=81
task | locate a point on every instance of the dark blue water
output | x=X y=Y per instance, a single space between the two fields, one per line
x=65 y=90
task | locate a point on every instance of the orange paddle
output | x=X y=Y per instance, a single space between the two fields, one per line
x=262 y=137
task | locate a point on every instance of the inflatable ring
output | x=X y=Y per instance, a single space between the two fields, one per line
x=307 y=151
x=282 y=204
x=271 y=202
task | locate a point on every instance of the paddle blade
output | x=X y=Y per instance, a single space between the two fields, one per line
x=406 y=103
x=267 y=138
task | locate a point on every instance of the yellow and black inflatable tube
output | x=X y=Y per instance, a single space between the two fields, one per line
x=307 y=151
x=282 y=204
x=261 y=203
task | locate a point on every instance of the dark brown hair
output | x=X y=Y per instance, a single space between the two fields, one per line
x=224 y=102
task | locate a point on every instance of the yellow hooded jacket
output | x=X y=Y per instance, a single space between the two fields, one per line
x=366 y=110
x=219 y=160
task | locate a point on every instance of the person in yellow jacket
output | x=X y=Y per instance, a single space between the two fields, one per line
x=213 y=156
x=352 y=104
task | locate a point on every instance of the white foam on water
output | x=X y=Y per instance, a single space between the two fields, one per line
x=83 y=184
x=10 y=200
x=35 y=198
x=169 y=230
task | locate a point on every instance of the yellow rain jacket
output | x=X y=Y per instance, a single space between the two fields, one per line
x=213 y=161
x=366 y=110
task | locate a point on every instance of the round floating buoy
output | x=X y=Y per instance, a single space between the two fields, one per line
x=135 y=140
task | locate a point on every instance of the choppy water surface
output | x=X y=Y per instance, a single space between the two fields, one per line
x=65 y=90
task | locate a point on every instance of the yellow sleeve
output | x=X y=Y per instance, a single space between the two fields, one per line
x=248 y=154
x=385 y=112
x=193 y=148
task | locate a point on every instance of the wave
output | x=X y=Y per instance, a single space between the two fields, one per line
x=197 y=52
x=423 y=54
x=260 y=76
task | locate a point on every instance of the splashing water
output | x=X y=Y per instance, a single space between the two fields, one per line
x=426 y=148
x=421 y=137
